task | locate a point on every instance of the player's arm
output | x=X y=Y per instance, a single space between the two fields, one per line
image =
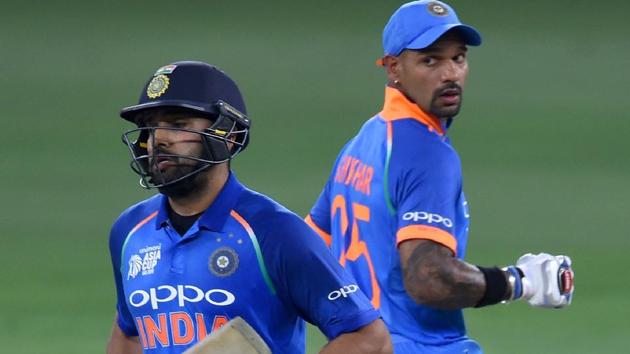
x=434 y=277
x=124 y=337
x=426 y=194
x=347 y=319
x=373 y=338
x=120 y=343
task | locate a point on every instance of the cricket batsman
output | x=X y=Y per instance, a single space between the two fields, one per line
x=206 y=251
x=393 y=210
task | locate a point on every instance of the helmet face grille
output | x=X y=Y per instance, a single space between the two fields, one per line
x=221 y=142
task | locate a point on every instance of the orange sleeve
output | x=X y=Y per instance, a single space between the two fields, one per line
x=425 y=232
x=323 y=234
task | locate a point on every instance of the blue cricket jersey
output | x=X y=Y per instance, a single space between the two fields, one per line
x=397 y=179
x=245 y=256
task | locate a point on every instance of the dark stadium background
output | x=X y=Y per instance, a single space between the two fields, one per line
x=543 y=136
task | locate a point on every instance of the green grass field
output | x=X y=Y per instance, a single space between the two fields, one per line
x=544 y=139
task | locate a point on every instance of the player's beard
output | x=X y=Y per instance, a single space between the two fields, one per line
x=185 y=187
x=183 y=166
x=448 y=111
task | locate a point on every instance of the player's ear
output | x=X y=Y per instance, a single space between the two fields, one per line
x=392 y=67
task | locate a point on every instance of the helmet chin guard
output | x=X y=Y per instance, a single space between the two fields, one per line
x=221 y=142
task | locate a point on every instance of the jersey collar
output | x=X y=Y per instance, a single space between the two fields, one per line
x=397 y=106
x=217 y=213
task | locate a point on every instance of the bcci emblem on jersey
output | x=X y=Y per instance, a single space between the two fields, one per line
x=145 y=262
x=223 y=262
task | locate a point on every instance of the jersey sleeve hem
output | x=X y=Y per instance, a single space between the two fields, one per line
x=425 y=232
x=323 y=234
x=350 y=324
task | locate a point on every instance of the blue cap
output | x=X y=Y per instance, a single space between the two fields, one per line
x=417 y=24
x=191 y=85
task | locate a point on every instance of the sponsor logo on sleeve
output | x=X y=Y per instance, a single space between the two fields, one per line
x=429 y=218
x=343 y=292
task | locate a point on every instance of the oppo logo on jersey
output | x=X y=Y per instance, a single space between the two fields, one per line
x=182 y=294
x=428 y=217
x=343 y=292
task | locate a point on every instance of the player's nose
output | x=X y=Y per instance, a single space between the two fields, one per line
x=159 y=137
x=452 y=72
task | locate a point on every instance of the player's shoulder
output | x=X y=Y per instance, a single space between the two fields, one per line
x=414 y=142
x=272 y=222
x=373 y=129
x=284 y=237
x=264 y=213
x=135 y=214
x=371 y=136
x=409 y=134
x=128 y=219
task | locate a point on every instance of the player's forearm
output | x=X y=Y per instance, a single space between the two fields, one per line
x=119 y=343
x=373 y=339
x=435 y=278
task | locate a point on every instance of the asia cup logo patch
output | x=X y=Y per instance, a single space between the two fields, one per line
x=223 y=262
x=437 y=9
x=135 y=265
x=144 y=263
x=157 y=86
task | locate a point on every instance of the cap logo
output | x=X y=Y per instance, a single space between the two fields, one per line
x=158 y=86
x=437 y=9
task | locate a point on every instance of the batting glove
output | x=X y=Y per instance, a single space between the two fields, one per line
x=547 y=280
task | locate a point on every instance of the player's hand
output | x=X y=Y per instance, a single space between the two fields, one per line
x=547 y=280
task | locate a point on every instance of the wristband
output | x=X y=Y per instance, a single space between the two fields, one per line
x=496 y=286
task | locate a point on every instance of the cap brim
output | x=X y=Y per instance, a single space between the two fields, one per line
x=129 y=113
x=470 y=35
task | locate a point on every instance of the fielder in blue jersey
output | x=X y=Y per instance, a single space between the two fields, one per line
x=394 y=212
x=206 y=248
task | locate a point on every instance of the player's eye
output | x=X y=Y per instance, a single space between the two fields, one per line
x=179 y=124
x=429 y=61
x=460 y=58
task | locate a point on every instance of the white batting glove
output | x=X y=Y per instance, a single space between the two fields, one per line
x=547 y=280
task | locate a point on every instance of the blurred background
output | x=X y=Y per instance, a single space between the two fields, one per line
x=543 y=135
